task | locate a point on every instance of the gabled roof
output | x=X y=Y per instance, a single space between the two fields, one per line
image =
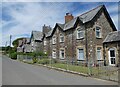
x=61 y=25
x=84 y=18
x=37 y=35
x=27 y=40
x=112 y=37
x=49 y=33
x=88 y=16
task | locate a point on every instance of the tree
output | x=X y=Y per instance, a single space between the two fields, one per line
x=15 y=42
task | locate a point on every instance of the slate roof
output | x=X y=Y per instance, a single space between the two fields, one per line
x=27 y=40
x=37 y=35
x=88 y=16
x=49 y=33
x=85 y=17
x=61 y=25
x=112 y=37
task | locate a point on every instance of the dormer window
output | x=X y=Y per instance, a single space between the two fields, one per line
x=54 y=40
x=80 y=34
x=98 y=32
x=61 y=38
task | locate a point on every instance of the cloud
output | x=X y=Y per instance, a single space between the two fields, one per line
x=60 y=1
x=23 y=17
x=29 y=16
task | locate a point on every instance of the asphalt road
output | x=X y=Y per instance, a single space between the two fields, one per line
x=17 y=73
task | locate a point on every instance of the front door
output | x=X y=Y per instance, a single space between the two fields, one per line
x=112 y=57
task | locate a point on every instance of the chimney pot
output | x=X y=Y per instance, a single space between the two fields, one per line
x=68 y=17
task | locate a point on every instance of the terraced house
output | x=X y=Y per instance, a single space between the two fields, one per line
x=81 y=38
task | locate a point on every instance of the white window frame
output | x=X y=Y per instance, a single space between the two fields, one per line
x=98 y=30
x=62 y=50
x=54 y=54
x=112 y=49
x=100 y=53
x=61 y=36
x=82 y=55
x=80 y=31
x=54 y=39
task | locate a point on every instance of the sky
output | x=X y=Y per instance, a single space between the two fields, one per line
x=20 y=18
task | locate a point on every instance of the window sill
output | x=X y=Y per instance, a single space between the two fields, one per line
x=99 y=37
x=80 y=38
x=61 y=41
x=100 y=60
x=80 y=60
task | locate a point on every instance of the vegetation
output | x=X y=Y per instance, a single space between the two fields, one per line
x=13 y=55
x=15 y=42
x=81 y=69
x=44 y=61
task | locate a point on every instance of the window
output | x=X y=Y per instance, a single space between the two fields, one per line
x=112 y=58
x=45 y=42
x=62 y=54
x=80 y=34
x=54 y=40
x=61 y=38
x=98 y=32
x=80 y=54
x=32 y=43
x=54 y=54
x=112 y=53
x=99 y=54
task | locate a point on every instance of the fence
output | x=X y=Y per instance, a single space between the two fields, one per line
x=69 y=64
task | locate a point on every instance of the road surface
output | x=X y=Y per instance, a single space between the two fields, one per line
x=18 y=73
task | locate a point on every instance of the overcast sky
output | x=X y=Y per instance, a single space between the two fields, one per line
x=20 y=18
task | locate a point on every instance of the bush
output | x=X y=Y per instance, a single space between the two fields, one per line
x=44 y=61
x=35 y=60
x=13 y=55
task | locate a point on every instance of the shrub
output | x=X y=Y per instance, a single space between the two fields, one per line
x=35 y=60
x=13 y=55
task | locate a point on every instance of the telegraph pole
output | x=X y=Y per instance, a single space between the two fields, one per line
x=10 y=45
x=10 y=39
x=6 y=47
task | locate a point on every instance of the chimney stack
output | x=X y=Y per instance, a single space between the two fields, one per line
x=46 y=29
x=68 y=17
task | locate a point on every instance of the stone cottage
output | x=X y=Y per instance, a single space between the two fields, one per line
x=111 y=46
x=24 y=45
x=36 y=41
x=81 y=38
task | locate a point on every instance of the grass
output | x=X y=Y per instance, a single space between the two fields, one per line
x=80 y=69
